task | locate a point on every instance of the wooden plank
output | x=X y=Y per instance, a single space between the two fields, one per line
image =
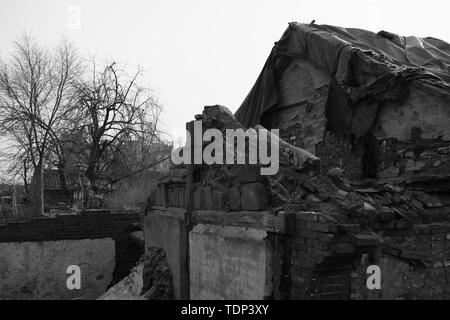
x=165 y=196
x=261 y=220
x=173 y=212
x=184 y=260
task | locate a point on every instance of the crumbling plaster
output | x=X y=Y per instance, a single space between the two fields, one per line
x=422 y=109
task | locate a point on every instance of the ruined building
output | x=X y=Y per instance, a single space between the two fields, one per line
x=364 y=178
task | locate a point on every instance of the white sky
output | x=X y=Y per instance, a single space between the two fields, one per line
x=202 y=52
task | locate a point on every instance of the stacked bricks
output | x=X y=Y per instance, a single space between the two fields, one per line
x=246 y=192
x=424 y=156
x=62 y=227
x=312 y=242
x=323 y=253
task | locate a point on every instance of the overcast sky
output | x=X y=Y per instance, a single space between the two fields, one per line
x=202 y=52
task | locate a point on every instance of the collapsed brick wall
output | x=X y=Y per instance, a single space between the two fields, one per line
x=389 y=158
x=402 y=146
x=337 y=225
x=322 y=256
x=424 y=156
x=414 y=262
x=329 y=260
x=337 y=150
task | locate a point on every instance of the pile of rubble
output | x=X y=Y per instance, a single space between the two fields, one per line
x=337 y=225
x=299 y=186
x=372 y=203
x=149 y=280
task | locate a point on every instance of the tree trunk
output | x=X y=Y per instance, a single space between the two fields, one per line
x=62 y=175
x=25 y=180
x=39 y=189
x=94 y=158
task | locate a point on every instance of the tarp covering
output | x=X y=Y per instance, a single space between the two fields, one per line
x=363 y=63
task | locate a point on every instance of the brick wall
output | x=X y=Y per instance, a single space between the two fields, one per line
x=337 y=150
x=214 y=190
x=61 y=227
x=414 y=263
x=300 y=115
x=329 y=260
x=322 y=257
x=424 y=156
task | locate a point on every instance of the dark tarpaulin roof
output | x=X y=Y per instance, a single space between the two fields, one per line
x=388 y=58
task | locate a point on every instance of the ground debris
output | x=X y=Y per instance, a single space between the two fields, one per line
x=150 y=279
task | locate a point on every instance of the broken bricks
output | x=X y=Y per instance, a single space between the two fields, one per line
x=427 y=200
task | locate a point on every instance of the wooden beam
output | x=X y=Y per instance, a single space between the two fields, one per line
x=165 y=195
x=261 y=220
x=172 y=212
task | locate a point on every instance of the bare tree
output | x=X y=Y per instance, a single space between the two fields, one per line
x=37 y=95
x=117 y=115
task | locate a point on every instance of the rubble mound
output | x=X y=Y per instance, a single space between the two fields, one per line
x=151 y=279
x=377 y=204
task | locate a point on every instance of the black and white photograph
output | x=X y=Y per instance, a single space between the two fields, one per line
x=223 y=159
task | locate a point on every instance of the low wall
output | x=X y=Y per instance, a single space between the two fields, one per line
x=37 y=270
x=91 y=225
x=229 y=263
x=35 y=254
